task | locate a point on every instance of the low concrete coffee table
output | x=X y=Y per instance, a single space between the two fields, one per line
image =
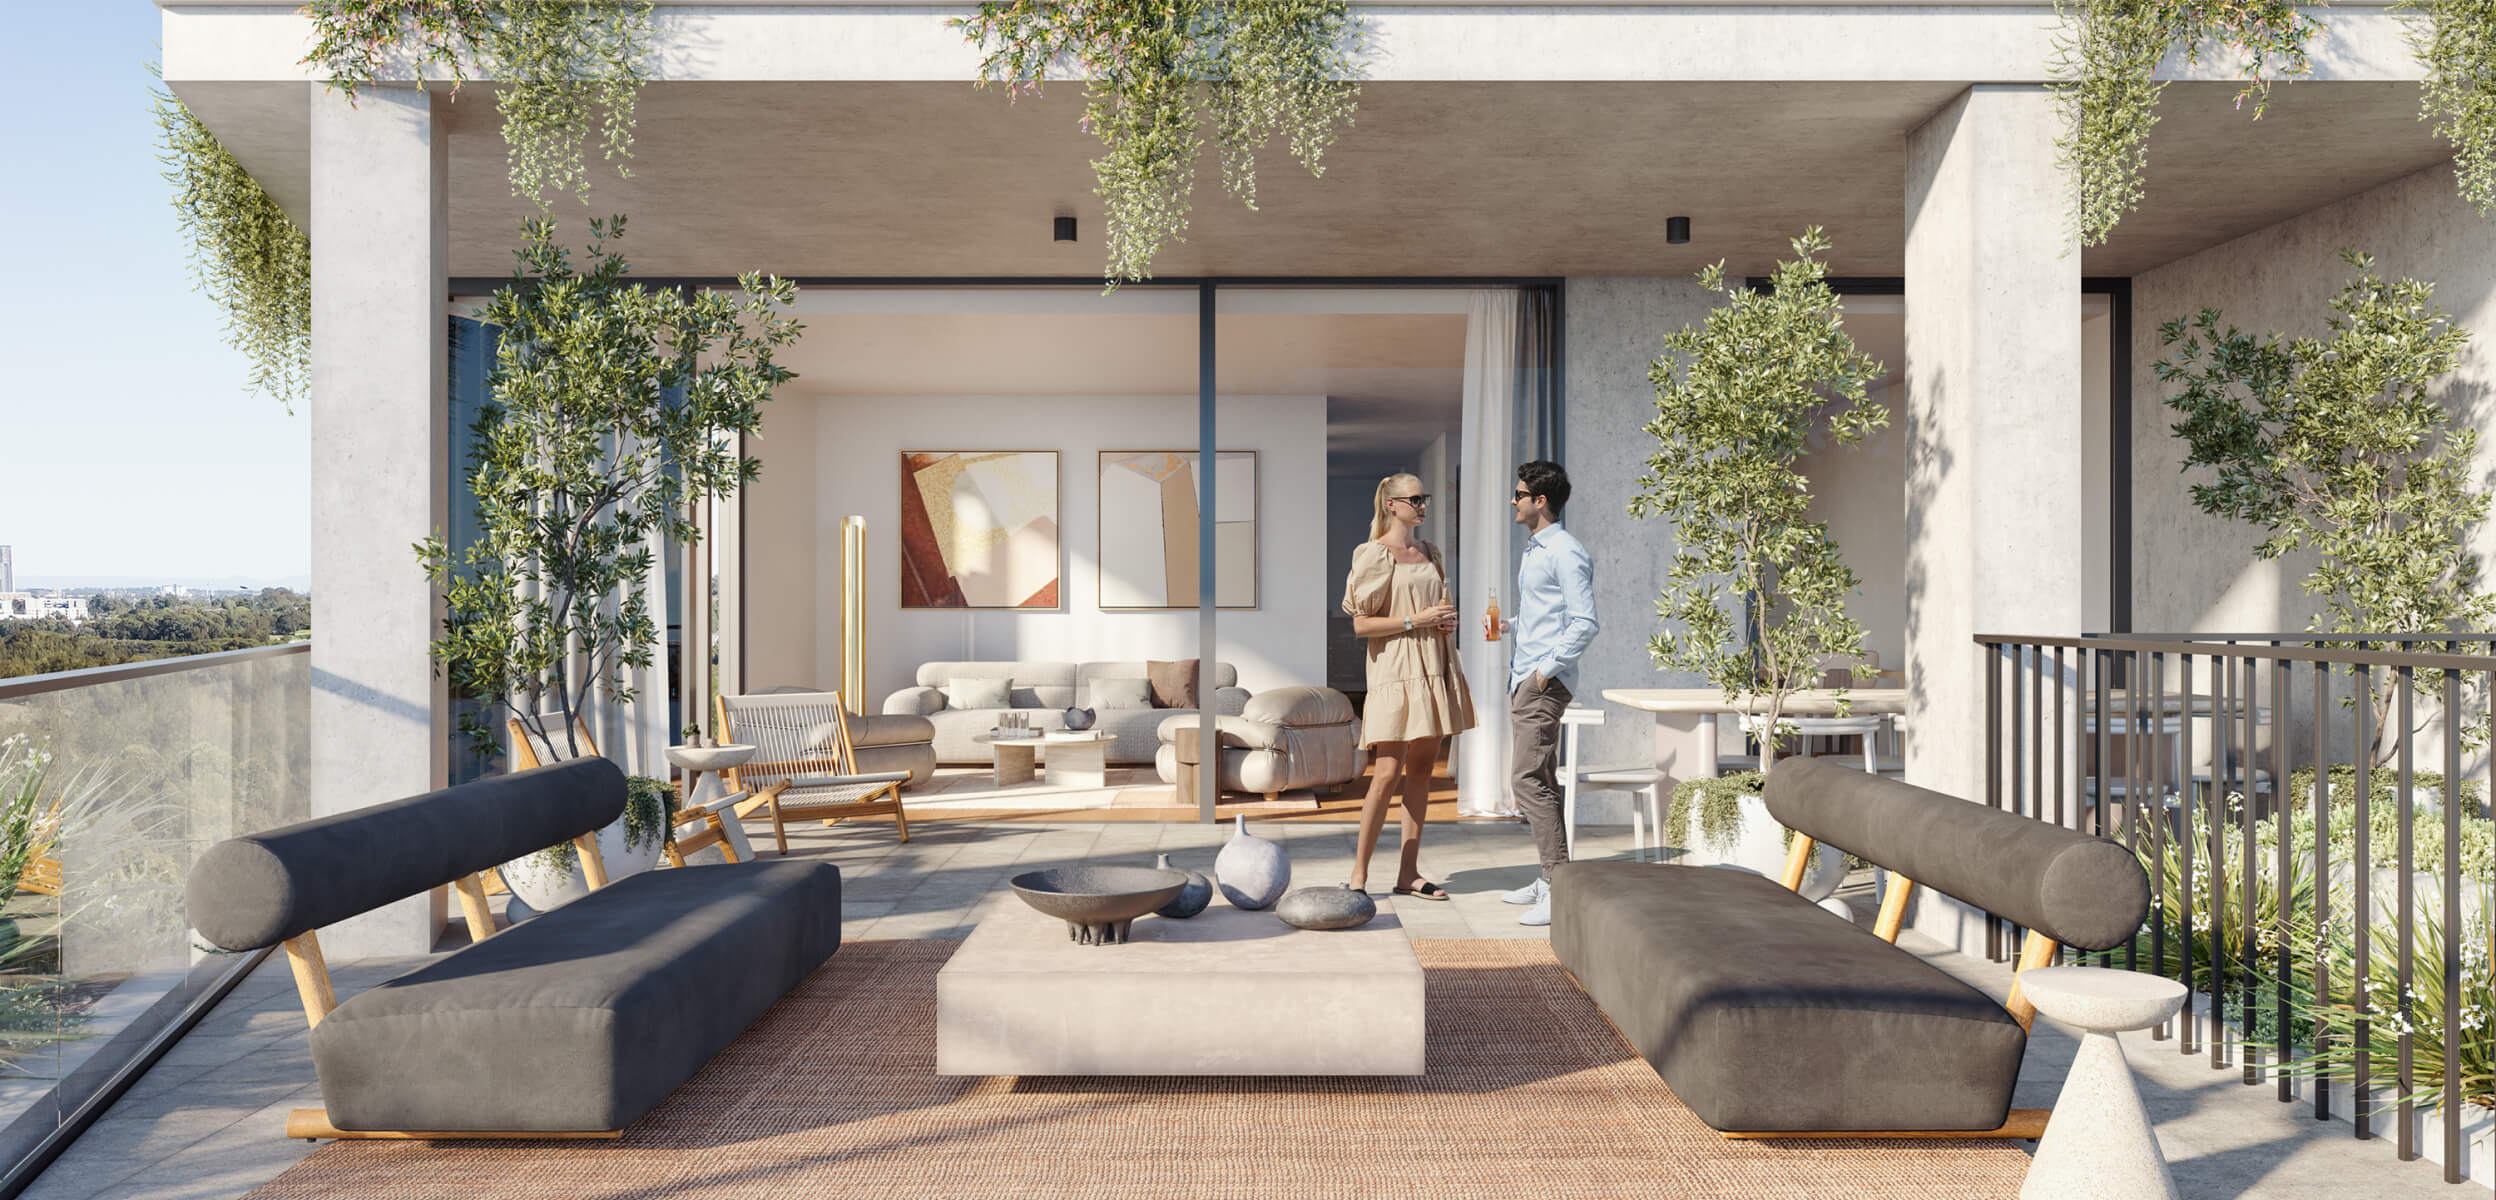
x=1075 y=759
x=1226 y=992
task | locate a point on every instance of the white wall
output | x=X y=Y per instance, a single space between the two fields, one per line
x=1860 y=490
x=857 y=444
x=783 y=547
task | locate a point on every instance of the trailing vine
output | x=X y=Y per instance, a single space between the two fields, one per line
x=561 y=70
x=2106 y=55
x=2457 y=44
x=246 y=253
x=1158 y=72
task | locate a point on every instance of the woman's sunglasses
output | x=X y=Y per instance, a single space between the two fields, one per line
x=1418 y=500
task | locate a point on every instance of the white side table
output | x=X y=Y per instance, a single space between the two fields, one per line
x=2099 y=1145
x=717 y=811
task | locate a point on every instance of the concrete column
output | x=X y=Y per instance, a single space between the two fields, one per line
x=380 y=230
x=1994 y=421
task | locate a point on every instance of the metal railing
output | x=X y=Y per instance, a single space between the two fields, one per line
x=149 y=764
x=2275 y=787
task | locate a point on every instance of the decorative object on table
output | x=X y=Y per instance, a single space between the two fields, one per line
x=1149 y=507
x=1191 y=899
x=2100 y=1145
x=1329 y=907
x=1251 y=871
x=979 y=529
x=1078 y=719
x=1098 y=904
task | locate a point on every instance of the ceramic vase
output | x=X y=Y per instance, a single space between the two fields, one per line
x=1192 y=899
x=1251 y=871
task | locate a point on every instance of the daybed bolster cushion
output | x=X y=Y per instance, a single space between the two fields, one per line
x=586 y=1017
x=1764 y=1013
x=2085 y=892
x=263 y=888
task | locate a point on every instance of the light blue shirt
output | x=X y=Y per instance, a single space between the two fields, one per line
x=1555 y=619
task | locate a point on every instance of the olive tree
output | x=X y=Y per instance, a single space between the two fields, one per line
x=2339 y=444
x=1737 y=400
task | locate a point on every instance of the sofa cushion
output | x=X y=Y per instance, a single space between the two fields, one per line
x=2085 y=892
x=1122 y=693
x=585 y=1017
x=890 y=730
x=1764 y=1013
x=1174 y=683
x=1301 y=706
x=973 y=692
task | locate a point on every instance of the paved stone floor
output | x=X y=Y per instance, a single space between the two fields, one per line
x=206 y=1121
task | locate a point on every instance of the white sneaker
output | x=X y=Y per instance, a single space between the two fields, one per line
x=1540 y=914
x=1532 y=893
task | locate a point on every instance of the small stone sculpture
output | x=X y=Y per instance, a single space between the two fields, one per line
x=1192 y=899
x=1328 y=907
x=1078 y=719
x=1252 y=871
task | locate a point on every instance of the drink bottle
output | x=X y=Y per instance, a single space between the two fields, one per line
x=1492 y=632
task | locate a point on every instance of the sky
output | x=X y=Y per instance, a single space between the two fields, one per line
x=130 y=450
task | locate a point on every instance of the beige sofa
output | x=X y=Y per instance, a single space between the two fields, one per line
x=1284 y=740
x=1043 y=691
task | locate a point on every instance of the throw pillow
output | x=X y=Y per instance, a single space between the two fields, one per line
x=1174 y=683
x=1122 y=693
x=979 y=693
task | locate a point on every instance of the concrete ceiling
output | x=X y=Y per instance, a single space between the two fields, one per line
x=1441 y=179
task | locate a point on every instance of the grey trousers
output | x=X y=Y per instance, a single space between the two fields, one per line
x=1534 y=763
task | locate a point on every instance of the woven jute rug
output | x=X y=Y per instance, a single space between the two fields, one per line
x=1531 y=1094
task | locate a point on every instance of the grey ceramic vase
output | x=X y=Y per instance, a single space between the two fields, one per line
x=1079 y=719
x=1192 y=899
x=1252 y=871
x=1329 y=907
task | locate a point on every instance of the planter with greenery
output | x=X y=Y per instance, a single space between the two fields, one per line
x=615 y=408
x=554 y=877
x=1158 y=72
x=1738 y=399
x=2341 y=445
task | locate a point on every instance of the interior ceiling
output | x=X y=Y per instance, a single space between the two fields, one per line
x=1393 y=381
x=880 y=180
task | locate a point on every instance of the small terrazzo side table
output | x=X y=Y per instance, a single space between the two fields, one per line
x=2099 y=1145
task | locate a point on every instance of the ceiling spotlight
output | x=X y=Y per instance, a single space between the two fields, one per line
x=1066 y=229
x=1676 y=230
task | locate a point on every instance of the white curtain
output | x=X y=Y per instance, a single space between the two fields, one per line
x=1488 y=549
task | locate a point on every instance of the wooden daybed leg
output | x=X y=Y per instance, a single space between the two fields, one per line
x=303 y=953
x=1893 y=916
x=311 y=1123
x=2038 y=951
x=471 y=889
x=593 y=864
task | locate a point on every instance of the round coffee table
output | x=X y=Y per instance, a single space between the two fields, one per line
x=1075 y=759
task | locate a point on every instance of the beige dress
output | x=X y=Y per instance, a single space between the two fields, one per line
x=1415 y=687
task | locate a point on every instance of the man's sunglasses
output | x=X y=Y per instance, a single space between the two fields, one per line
x=1521 y=494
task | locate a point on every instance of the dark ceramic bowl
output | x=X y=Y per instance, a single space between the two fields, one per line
x=1098 y=903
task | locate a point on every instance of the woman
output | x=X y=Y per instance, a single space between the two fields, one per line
x=1398 y=600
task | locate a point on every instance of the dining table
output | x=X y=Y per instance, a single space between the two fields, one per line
x=1686 y=718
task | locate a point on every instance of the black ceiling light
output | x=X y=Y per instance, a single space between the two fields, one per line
x=1065 y=229
x=1676 y=230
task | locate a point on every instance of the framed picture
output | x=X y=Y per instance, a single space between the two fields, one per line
x=1149 y=549
x=979 y=529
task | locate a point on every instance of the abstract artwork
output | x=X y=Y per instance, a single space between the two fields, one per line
x=979 y=529
x=1149 y=548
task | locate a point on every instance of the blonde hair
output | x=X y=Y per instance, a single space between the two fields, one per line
x=1378 y=520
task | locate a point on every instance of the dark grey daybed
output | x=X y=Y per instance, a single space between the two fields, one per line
x=1768 y=1015
x=571 y=1024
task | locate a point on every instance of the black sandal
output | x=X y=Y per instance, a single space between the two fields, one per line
x=1423 y=889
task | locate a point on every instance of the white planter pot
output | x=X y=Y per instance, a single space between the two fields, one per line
x=1759 y=848
x=539 y=887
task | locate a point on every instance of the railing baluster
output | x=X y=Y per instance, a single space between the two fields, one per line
x=2283 y=829
x=2222 y=744
x=2322 y=886
x=2405 y=897
x=2244 y=770
x=2186 y=843
x=2454 y=934
x=1993 y=772
x=2059 y=730
x=2145 y=743
x=2361 y=869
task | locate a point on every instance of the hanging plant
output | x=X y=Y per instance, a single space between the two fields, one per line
x=2105 y=58
x=2457 y=43
x=1157 y=72
x=246 y=254
x=562 y=70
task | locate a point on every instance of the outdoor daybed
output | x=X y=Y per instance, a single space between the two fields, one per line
x=569 y=1024
x=1769 y=1016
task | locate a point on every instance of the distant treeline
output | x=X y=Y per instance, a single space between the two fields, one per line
x=125 y=629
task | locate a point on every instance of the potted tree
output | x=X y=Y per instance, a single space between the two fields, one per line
x=1738 y=398
x=615 y=408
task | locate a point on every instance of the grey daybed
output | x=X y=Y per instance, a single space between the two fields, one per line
x=571 y=1024
x=1770 y=1016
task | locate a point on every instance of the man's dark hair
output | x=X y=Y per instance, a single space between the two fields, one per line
x=1544 y=478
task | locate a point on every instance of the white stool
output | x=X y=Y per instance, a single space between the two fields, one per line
x=2099 y=1145
x=1646 y=785
x=1572 y=719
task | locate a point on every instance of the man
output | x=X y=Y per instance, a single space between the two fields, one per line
x=1555 y=622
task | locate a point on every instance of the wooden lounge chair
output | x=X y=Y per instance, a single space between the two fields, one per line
x=804 y=764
